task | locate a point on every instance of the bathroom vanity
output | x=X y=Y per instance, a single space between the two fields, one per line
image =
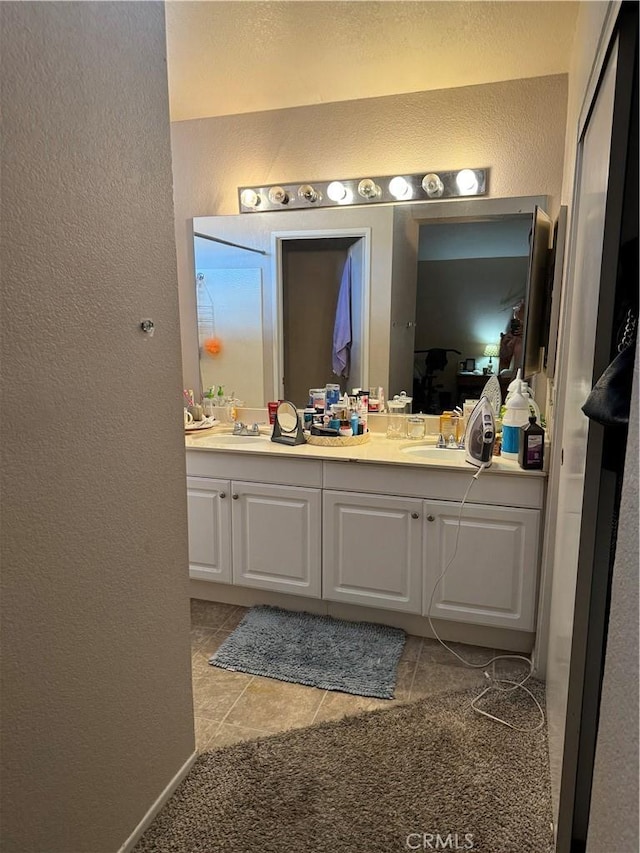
x=365 y=532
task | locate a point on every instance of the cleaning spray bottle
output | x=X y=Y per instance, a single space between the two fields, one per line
x=516 y=415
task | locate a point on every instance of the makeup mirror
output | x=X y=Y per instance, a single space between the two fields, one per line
x=287 y=428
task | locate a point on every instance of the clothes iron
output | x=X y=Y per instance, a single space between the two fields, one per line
x=480 y=435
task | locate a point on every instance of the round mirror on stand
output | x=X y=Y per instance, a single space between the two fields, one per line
x=287 y=428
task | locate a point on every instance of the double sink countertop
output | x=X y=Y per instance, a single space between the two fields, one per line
x=378 y=450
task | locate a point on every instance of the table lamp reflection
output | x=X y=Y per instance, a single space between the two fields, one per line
x=490 y=350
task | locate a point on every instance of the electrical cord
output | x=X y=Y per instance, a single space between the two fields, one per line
x=496 y=683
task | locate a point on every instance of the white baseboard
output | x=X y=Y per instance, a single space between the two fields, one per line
x=146 y=821
x=504 y=639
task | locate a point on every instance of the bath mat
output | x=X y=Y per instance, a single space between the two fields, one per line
x=319 y=651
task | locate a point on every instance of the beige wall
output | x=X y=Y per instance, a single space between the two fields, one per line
x=97 y=714
x=514 y=128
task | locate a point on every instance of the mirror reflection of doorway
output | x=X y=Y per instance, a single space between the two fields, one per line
x=312 y=274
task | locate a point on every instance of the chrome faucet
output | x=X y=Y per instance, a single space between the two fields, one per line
x=242 y=429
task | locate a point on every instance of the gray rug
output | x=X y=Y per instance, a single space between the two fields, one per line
x=380 y=782
x=320 y=651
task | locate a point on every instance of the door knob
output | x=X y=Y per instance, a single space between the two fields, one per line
x=430 y=518
x=415 y=515
x=223 y=494
x=235 y=497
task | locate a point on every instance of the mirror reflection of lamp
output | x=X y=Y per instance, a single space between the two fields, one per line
x=491 y=350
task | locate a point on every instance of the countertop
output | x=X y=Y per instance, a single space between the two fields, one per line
x=378 y=450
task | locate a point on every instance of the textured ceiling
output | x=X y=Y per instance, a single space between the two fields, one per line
x=243 y=56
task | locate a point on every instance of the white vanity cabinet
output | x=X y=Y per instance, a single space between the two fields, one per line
x=209 y=517
x=492 y=578
x=276 y=537
x=372 y=550
x=265 y=535
x=369 y=541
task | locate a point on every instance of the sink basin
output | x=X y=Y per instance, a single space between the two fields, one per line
x=445 y=454
x=227 y=438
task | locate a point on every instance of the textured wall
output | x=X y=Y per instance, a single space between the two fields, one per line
x=227 y=57
x=95 y=662
x=515 y=128
x=613 y=822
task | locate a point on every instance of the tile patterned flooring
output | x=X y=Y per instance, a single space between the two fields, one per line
x=235 y=706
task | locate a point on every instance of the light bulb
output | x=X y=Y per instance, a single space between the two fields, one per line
x=308 y=193
x=368 y=188
x=432 y=185
x=336 y=191
x=467 y=181
x=399 y=188
x=278 y=195
x=249 y=198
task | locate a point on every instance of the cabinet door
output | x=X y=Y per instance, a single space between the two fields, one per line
x=492 y=562
x=209 y=515
x=276 y=538
x=372 y=550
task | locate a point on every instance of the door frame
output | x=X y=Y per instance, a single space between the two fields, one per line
x=278 y=238
x=591 y=597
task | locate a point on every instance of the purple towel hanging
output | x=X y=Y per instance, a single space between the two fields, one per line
x=341 y=355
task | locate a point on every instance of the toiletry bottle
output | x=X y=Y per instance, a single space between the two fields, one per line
x=209 y=401
x=516 y=415
x=531 y=452
x=513 y=386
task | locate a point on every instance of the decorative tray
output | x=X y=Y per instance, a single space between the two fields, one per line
x=338 y=440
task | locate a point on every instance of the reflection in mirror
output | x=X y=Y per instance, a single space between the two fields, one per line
x=287 y=417
x=230 y=324
x=471 y=275
x=435 y=289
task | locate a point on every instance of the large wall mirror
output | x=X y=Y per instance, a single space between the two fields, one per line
x=438 y=296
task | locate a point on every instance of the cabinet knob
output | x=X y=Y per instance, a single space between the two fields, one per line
x=235 y=497
x=430 y=518
x=415 y=515
x=223 y=495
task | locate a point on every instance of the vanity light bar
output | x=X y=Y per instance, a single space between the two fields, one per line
x=422 y=186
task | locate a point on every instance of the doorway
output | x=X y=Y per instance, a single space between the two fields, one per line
x=312 y=272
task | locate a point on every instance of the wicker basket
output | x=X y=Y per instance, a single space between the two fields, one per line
x=339 y=440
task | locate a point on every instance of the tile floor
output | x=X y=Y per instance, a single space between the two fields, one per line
x=234 y=706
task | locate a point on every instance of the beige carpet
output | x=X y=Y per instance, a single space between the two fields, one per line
x=428 y=773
